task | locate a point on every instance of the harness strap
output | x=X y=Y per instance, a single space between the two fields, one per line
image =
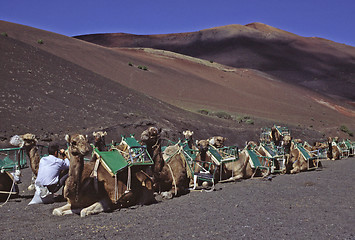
x=94 y=174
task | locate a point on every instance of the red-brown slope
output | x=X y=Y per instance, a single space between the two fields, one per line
x=191 y=83
x=318 y=64
x=49 y=96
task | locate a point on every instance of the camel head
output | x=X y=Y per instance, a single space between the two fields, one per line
x=29 y=140
x=188 y=134
x=99 y=136
x=287 y=142
x=217 y=141
x=202 y=146
x=17 y=141
x=150 y=136
x=78 y=144
x=250 y=145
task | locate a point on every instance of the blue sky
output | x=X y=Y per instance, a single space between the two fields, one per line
x=330 y=19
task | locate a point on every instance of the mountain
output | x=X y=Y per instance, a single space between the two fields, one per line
x=318 y=64
x=54 y=84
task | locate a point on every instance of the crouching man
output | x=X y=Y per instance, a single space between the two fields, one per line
x=52 y=173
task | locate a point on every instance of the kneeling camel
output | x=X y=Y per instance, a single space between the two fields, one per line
x=170 y=178
x=90 y=188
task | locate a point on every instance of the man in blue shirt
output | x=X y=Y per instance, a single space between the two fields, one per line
x=51 y=169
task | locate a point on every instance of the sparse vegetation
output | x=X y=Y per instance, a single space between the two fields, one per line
x=4 y=34
x=130 y=64
x=345 y=129
x=203 y=111
x=223 y=115
x=245 y=119
x=249 y=121
x=40 y=41
x=145 y=68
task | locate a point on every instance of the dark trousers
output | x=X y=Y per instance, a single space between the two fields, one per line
x=55 y=187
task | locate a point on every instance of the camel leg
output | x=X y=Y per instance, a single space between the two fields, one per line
x=95 y=208
x=167 y=195
x=32 y=186
x=61 y=211
x=295 y=170
x=231 y=179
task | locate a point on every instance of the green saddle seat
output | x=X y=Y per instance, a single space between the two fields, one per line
x=113 y=161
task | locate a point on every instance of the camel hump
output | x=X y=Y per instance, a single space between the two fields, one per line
x=170 y=151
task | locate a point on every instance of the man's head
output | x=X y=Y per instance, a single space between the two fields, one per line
x=53 y=149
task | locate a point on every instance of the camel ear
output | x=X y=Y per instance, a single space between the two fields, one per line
x=105 y=133
x=67 y=138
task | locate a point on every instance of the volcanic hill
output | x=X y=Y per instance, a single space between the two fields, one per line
x=321 y=65
x=54 y=84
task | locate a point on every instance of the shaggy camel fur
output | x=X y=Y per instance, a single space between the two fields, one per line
x=170 y=178
x=90 y=193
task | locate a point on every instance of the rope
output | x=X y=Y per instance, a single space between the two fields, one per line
x=173 y=178
x=129 y=179
x=8 y=197
x=116 y=189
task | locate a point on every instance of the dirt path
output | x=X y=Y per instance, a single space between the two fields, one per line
x=311 y=205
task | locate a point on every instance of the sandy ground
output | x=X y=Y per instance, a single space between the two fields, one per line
x=314 y=205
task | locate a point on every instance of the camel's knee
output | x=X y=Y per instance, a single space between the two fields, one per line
x=96 y=208
x=31 y=187
x=61 y=211
x=167 y=195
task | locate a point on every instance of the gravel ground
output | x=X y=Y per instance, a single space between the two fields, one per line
x=314 y=205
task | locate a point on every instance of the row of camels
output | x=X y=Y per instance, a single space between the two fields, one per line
x=91 y=189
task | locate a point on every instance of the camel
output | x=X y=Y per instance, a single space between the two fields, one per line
x=171 y=177
x=236 y=170
x=276 y=160
x=30 y=146
x=241 y=168
x=333 y=152
x=295 y=161
x=188 y=137
x=91 y=189
x=217 y=141
x=276 y=137
x=99 y=143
